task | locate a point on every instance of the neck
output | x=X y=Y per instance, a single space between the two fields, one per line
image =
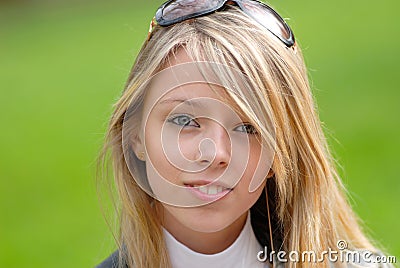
x=202 y=242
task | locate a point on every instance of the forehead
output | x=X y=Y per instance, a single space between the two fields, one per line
x=184 y=79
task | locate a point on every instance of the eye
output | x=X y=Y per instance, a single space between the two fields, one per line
x=246 y=128
x=183 y=121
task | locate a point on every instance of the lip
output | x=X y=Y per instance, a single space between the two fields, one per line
x=208 y=183
x=207 y=197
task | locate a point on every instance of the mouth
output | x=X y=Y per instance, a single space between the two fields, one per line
x=208 y=191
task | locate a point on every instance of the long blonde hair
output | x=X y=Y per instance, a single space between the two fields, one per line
x=311 y=204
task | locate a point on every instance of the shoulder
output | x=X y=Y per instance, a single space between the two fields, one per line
x=111 y=262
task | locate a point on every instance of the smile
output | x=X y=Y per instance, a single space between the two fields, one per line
x=208 y=192
x=211 y=189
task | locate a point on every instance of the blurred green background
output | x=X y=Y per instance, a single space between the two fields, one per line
x=64 y=63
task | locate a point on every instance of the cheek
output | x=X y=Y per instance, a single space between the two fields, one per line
x=157 y=158
x=247 y=198
x=257 y=168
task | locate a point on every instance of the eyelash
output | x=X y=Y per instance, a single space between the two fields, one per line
x=191 y=122
x=249 y=129
x=175 y=120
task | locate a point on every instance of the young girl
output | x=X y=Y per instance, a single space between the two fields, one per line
x=219 y=157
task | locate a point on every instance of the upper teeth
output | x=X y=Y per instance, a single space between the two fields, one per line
x=212 y=189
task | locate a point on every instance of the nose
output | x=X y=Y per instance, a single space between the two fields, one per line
x=215 y=148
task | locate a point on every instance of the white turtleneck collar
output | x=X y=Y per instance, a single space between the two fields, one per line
x=242 y=253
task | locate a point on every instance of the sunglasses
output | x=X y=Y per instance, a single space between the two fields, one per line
x=175 y=11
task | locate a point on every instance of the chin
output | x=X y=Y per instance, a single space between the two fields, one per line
x=205 y=221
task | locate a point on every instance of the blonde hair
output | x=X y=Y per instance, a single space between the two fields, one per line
x=311 y=205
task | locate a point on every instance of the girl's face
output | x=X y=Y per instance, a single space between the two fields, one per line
x=202 y=158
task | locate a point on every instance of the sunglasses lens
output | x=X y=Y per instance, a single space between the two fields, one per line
x=179 y=10
x=268 y=18
x=186 y=8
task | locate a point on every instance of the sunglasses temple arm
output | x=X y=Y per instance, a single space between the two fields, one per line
x=153 y=23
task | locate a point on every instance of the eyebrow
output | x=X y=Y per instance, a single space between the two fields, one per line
x=190 y=102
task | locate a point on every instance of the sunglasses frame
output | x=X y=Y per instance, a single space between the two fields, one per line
x=289 y=42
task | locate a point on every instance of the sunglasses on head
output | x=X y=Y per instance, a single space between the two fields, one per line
x=175 y=11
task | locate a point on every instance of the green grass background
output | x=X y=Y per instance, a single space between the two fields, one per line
x=64 y=63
